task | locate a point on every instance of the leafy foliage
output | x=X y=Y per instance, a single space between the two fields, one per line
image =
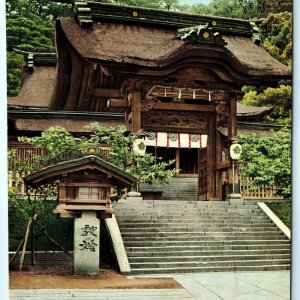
x=266 y=7
x=29 y=27
x=30 y=33
x=268 y=160
x=143 y=167
x=59 y=144
x=280 y=98
x=277 y=35
x=244 y=9
x=14 y=74
x=21 y=207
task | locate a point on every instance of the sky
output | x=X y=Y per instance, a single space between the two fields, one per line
x=192 y=2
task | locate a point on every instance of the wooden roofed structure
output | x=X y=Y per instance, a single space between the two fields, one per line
x=159 y=71
x=84 y=184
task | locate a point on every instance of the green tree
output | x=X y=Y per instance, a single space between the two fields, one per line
x=30 y=33
x=280 y=98
x=266 y=7
x=276 y=32
x=145 y=168
x=59 y=145
x=244 y=9
x=225 y=8
x=249 y=8
x=31 y=213
x=14 y=74
x=268 y=160
x=47 y=9
x=29 y=27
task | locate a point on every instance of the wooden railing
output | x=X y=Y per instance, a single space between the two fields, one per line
x=263 y=192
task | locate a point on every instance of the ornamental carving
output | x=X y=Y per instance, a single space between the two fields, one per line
x=202 y=34
x=147 y=105
x=178 y=120
x=222 y=113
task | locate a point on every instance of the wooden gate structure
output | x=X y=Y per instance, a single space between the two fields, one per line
x=165 y=71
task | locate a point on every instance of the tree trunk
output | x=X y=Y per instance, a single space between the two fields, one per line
x=25 y=243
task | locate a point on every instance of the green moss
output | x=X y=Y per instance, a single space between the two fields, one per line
x=282 y=210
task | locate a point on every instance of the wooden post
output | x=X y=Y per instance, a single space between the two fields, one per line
x=218 y=172
x=211 y=148
x=232 y=120
x=177 y=159
x=232 y=132
x=135 y=100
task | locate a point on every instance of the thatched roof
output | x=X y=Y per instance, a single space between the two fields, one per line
x=76 y=122
x=151 y=46
x=37 y=89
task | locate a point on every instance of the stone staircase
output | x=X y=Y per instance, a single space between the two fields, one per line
x=179 y=188
x=193 y=236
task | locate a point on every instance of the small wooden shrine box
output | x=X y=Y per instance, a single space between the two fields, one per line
x=84 y=184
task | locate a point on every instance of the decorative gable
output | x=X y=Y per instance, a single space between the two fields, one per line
x=201 y=34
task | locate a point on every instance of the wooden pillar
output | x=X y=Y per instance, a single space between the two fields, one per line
x=135 y=103
x=211 y=148
x=232 y=121
x=218 y=172
x=232 y=132
x=75 y=81
x=86 y=83
x=177 y=159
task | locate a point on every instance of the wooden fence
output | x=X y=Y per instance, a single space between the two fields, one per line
x=25 y=151
x=263 y=192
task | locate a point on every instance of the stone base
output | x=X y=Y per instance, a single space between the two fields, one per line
x=134 y=196
x=87 y=244
x=235 y=199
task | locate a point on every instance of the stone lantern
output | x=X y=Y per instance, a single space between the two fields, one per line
x=84 y=186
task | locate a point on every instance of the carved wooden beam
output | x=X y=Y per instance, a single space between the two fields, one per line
x=106 y=93
x=183 y=106
x=222 y=165
x=117 y=103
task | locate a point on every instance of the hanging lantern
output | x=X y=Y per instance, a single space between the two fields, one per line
x=139 y=147
x=235 y=151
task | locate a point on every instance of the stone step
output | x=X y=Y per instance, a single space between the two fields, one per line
x=170 y=270
x=181 y=211
x=187 y=219
x=175 y=237
x=163 y=253
x=194 y=229
x=200 y=236
x=220 y=263
x=211 y=243
x=206 y=258
x=161 y=223
x=181 y=208
x=208 y=248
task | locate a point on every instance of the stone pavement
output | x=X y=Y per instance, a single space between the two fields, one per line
x=272 y=285
x=237 y=286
